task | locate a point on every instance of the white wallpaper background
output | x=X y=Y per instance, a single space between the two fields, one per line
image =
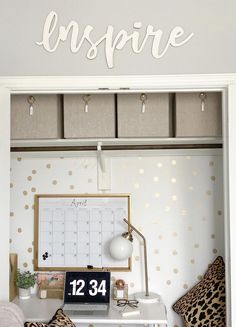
x=177 y=202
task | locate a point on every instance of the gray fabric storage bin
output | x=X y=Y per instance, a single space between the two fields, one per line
x=191 y=121
x=98 y=121
x=154 y=122
x=46 y=121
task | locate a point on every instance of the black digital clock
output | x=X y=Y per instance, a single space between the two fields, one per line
x=87 y=287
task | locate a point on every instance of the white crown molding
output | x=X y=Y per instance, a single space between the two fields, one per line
x=65 y=84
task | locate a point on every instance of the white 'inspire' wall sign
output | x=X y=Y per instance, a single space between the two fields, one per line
x=112 y=42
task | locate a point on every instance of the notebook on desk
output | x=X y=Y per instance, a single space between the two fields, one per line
x=86 y=293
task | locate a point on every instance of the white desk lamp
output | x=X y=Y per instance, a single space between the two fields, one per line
x=121 y=248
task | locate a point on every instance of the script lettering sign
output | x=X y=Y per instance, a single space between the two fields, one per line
x=54 y=35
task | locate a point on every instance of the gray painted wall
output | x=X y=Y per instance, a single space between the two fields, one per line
x=211 y=50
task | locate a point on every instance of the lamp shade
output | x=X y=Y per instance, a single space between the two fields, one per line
x=120 y=248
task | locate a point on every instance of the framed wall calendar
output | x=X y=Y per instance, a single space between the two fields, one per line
x=73 y=232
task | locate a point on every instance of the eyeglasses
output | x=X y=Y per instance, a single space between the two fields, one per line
x=131 y=303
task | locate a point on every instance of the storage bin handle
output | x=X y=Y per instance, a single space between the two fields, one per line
x=31 y=100
x=203 y=97
x=86 y=99
x=143 y=99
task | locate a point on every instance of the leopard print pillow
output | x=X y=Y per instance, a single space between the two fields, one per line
x=60 y=319
x=204 y=305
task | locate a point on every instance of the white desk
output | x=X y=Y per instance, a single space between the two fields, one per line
x=35 y=309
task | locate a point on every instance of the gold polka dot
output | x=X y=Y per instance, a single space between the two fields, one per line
x=190 y=228
x=219 y=212
x=25 y=193
x=34 y=171
x=29 y=178
x=54 y=182
x=155 y=178
x=158 y=268
x=157 y=195
x=214 y=251
x=19 y=159
x=192 y=261
x=12 y=214
x=48 y=166
x=174 y=252
x=211 y=163
x=10 y=240
x=29 y=250
x=70 y=172
x=195 y=173
x=11 y=185
x=213 y=178
x=140 y=158
x=72 y=187
x=147 y=205
x=137 y=258
x=33 y=189
x=199 y=277
x=156 y=251
x=174 y=198
x=203 y=218
x=160 y=237
x=175 y=270
x=168 y=282
x=208 y=192
x=131 y=284
x=175 y=234
x=90 y=180
x=141 y=171
x=160 y=164
x=184 y=212
x=196 y=245
x=173 y=180
x=167 y=208
x=173 y=162
x=26 y=207
x=19 y=230
x=136 y=185
x=185 y=286
x=190 y=188
x=25 y=264
x=213 y=236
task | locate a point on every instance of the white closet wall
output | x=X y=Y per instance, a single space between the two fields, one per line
x=177 y=203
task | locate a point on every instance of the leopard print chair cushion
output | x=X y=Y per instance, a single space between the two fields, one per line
x=204 y=305
x=60 y=319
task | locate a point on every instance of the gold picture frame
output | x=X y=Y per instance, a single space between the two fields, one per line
x=49 y=206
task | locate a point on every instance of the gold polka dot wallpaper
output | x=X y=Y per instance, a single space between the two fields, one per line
x=177 y=203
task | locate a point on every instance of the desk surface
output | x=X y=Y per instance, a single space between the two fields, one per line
x=36 y=309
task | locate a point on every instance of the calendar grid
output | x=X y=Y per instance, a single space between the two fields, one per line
x=73 y=231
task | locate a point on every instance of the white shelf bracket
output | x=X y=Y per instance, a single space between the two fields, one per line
x=100 y=157
x=103 y=169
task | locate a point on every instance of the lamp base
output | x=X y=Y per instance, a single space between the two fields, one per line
x=143 y=298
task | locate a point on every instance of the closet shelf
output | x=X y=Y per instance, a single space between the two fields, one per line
x=114 y=144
